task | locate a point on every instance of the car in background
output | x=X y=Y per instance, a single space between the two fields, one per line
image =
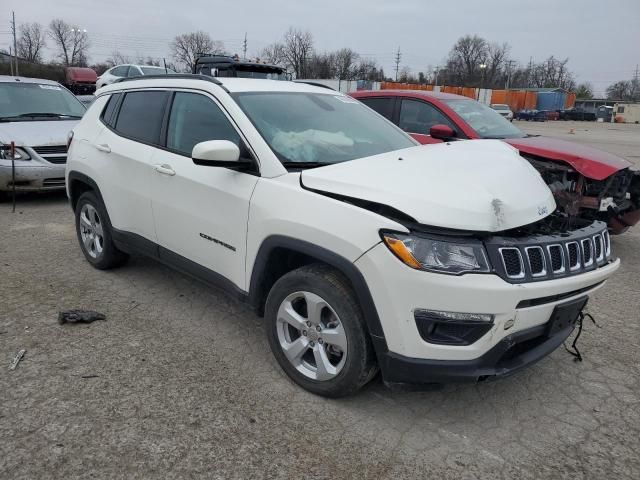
x=577 y=114
x=36 y=116
x=80 y=80
x=587 y=182
x=126 y=71
x=227 y=66
x=551 y=114
x=531 y=115
x=504 y=110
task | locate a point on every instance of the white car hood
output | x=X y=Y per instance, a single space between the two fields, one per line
x=53 y=132
x=480 y=185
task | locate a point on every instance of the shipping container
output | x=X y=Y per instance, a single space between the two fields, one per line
x=551 y=100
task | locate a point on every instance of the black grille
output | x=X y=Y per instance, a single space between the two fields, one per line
x=597 y=241
x=56 y=159
x=574 y=258
x=587 y=252
x=53 y=182
x=512 y=262
x=536 y=260
x=557 y=262
x=49 y=149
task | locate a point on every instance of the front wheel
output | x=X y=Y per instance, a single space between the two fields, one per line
x=317 y=332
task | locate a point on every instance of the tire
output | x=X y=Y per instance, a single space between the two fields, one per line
x=349 y=350
x=93 y=229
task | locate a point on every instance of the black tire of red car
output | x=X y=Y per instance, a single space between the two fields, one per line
x=329 y=284
x=110 y=257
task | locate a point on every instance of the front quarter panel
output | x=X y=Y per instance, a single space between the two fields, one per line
x=280 y=206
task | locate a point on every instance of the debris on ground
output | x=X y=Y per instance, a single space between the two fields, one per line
x=79 y=316
x=16 y=359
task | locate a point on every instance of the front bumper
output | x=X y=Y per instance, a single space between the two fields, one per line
x=511 y=354
x=518 y=310
x=31 y=175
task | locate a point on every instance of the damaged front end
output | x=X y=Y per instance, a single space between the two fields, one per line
x=614 y=200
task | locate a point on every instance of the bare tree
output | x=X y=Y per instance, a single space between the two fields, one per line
x=118 y=58
x=31 y=42
x=552 y=73
x=72 y=42
x=274 y=54
x=187 y=46
x=346 y=63
x=465 y=58
x=624 y=90
x=297 y=48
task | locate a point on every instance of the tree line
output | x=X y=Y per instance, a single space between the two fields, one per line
x=472 y=61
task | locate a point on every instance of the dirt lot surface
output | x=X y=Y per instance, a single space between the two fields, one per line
x=179 y=382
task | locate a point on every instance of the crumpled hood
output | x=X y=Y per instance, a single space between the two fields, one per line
x=482 y=185
x=28 y=134
x=589 y=161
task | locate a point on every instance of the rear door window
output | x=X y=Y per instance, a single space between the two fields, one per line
x=382 y=105
x=107 y=113
x=120 y=71
x=141 y=114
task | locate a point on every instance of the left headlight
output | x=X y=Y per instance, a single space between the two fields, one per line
x=21 y=154
x=438 y=255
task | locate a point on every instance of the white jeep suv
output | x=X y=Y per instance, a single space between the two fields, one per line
x=362 y=250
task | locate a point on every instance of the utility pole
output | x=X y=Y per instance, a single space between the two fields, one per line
x=529 y=72
x=15 y=49
x=398 y=58
x=244 y=46
x=508 y=81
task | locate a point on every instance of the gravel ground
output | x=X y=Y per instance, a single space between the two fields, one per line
x=179 y=382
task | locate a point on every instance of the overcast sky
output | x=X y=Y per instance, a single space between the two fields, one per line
x=600 y=37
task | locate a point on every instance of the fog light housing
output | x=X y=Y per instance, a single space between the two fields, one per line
x=452 y=328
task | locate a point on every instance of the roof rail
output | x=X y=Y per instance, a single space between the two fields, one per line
x=315 y=84
x=188 y=76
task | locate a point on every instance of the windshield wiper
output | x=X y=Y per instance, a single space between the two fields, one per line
x=303 y=165
x=39 y=114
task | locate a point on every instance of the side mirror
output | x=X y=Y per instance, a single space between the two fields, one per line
x=218 y=153
x=442 y=132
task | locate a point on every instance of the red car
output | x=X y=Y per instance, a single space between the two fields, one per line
x=586 y=182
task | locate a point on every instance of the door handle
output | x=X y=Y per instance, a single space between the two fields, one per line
x=103 y=147
x=165 y=169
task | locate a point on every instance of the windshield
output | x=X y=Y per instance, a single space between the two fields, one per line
x=155 y=70
x=320 y=128
x=18 y=99
x=484 y=120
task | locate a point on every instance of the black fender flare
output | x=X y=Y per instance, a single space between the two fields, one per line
x=346 y=267
x=81 y=177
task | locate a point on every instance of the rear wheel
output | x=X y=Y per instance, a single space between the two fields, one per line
x=94 y=233
x=317 y=333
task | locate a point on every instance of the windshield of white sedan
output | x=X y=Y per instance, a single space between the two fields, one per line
x=34 y=101
x=484 y=120
x=319 y=128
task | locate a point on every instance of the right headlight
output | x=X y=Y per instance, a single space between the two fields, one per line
x=443 y=256
x=20 y=154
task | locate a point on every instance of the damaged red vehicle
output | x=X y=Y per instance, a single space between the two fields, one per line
x=587 y=183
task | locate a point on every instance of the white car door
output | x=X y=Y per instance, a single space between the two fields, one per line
x=201 y=212
x=126 y=146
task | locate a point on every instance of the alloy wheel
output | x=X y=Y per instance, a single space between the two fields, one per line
x=311 y=336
